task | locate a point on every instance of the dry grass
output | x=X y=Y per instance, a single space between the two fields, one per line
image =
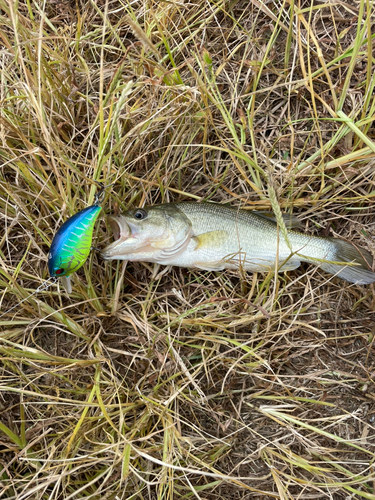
x=194 y=384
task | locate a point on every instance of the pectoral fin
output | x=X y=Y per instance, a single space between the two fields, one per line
x=212 y=239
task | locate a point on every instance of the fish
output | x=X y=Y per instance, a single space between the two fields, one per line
x=72 y=242
x=215 y=237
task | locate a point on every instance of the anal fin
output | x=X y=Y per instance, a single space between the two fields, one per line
x=290 y=265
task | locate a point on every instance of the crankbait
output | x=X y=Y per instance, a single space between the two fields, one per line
x=71 y=244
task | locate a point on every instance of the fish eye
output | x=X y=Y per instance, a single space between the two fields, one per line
x=60 y=271
x=140 y=214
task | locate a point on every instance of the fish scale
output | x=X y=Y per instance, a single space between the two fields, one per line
x=252 y=240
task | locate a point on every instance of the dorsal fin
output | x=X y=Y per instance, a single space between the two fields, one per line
x=290 y=220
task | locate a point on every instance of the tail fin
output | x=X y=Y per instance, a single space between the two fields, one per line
x=345 y=252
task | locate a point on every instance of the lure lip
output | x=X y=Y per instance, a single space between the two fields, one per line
x=66 y=281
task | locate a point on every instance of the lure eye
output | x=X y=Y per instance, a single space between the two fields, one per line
x=140 y=214
x=60 y=271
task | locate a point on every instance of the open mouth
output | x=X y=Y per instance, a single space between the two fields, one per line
x=121 y=232
x=127 y=239
x=119 y=227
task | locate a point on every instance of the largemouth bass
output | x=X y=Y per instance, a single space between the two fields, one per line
x=213 y=237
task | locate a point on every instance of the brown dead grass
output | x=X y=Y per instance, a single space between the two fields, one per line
x=193 y=384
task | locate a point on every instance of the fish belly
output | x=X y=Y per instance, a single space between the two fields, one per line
x=235 y=256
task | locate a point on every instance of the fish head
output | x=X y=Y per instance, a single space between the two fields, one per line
x=148 y=232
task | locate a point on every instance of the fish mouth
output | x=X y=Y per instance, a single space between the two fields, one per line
x=123 y=237
x=119 y=227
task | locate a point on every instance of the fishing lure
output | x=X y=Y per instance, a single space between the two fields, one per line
x=71 y=244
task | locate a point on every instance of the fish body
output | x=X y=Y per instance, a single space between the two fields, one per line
x=71 y=244
x=213 y=237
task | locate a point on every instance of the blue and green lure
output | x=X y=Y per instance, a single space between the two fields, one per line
x=71 y=245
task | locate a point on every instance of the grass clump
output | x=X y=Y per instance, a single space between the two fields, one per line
x=190 y=384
